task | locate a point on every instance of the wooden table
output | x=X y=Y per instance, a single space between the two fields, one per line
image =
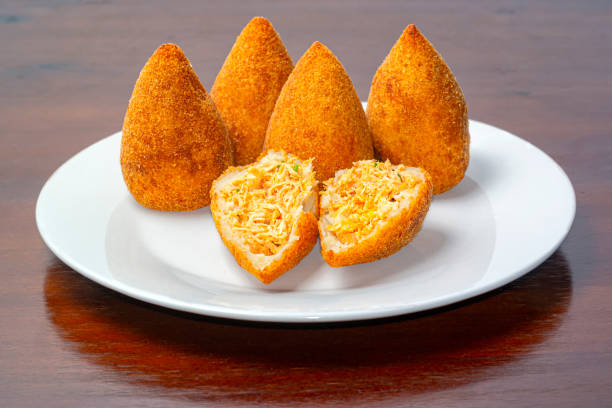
x=541 y=70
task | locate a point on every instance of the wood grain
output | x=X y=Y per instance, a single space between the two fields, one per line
x=538 y=69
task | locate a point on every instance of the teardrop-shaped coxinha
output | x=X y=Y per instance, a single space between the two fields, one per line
x=417 y=113
x=319 y=115
x=174 y=143
x=248 y=85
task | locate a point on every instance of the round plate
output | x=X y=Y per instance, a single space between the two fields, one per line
x=511 y=211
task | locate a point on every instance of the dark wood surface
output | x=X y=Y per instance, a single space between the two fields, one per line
x=540 y=69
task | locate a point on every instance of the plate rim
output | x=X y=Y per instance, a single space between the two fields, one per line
x=297 y=316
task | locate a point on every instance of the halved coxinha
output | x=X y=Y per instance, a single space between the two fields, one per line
x=266 y=212
x=371 y=211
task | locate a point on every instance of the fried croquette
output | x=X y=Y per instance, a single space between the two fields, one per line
x=174 y=142
x=266 y=213
x=318 y=115
x=417 y=113
x=371 y=211
x=248 y=85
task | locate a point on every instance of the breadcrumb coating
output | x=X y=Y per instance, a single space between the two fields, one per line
x=318 y=115
x=417 y=112
x=248 y=86
x=174 y=142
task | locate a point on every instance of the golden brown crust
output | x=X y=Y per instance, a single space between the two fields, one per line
x=306 y=230
x=417 y=112
x=318 y=115
x=392 y=236
x=248 y=85
x=174 y=142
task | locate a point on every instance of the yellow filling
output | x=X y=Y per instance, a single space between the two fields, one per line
x=363 y=196
x=262 y=202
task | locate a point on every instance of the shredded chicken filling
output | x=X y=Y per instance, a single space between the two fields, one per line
x=263 y=201
x=364 y=196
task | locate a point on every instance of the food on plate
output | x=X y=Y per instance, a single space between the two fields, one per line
x=248 y=85
x=371 y=211
x=174 y=142
x=417 y=113
x=318 y=115
x=266 y=213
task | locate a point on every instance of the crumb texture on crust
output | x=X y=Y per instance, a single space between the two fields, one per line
x=266 y=213
x=417 y=112
x=174 y=143
x=319 y=115
x=248 y=86
x=371 y=211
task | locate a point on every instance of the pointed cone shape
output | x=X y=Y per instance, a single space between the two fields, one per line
x=318 y=115
x=417 y=113
x=174 y=142
x=248 y=85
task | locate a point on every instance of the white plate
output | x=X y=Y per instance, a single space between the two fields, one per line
x=509 y=214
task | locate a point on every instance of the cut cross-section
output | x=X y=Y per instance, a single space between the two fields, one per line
x=265 y=213
x=371 y=211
